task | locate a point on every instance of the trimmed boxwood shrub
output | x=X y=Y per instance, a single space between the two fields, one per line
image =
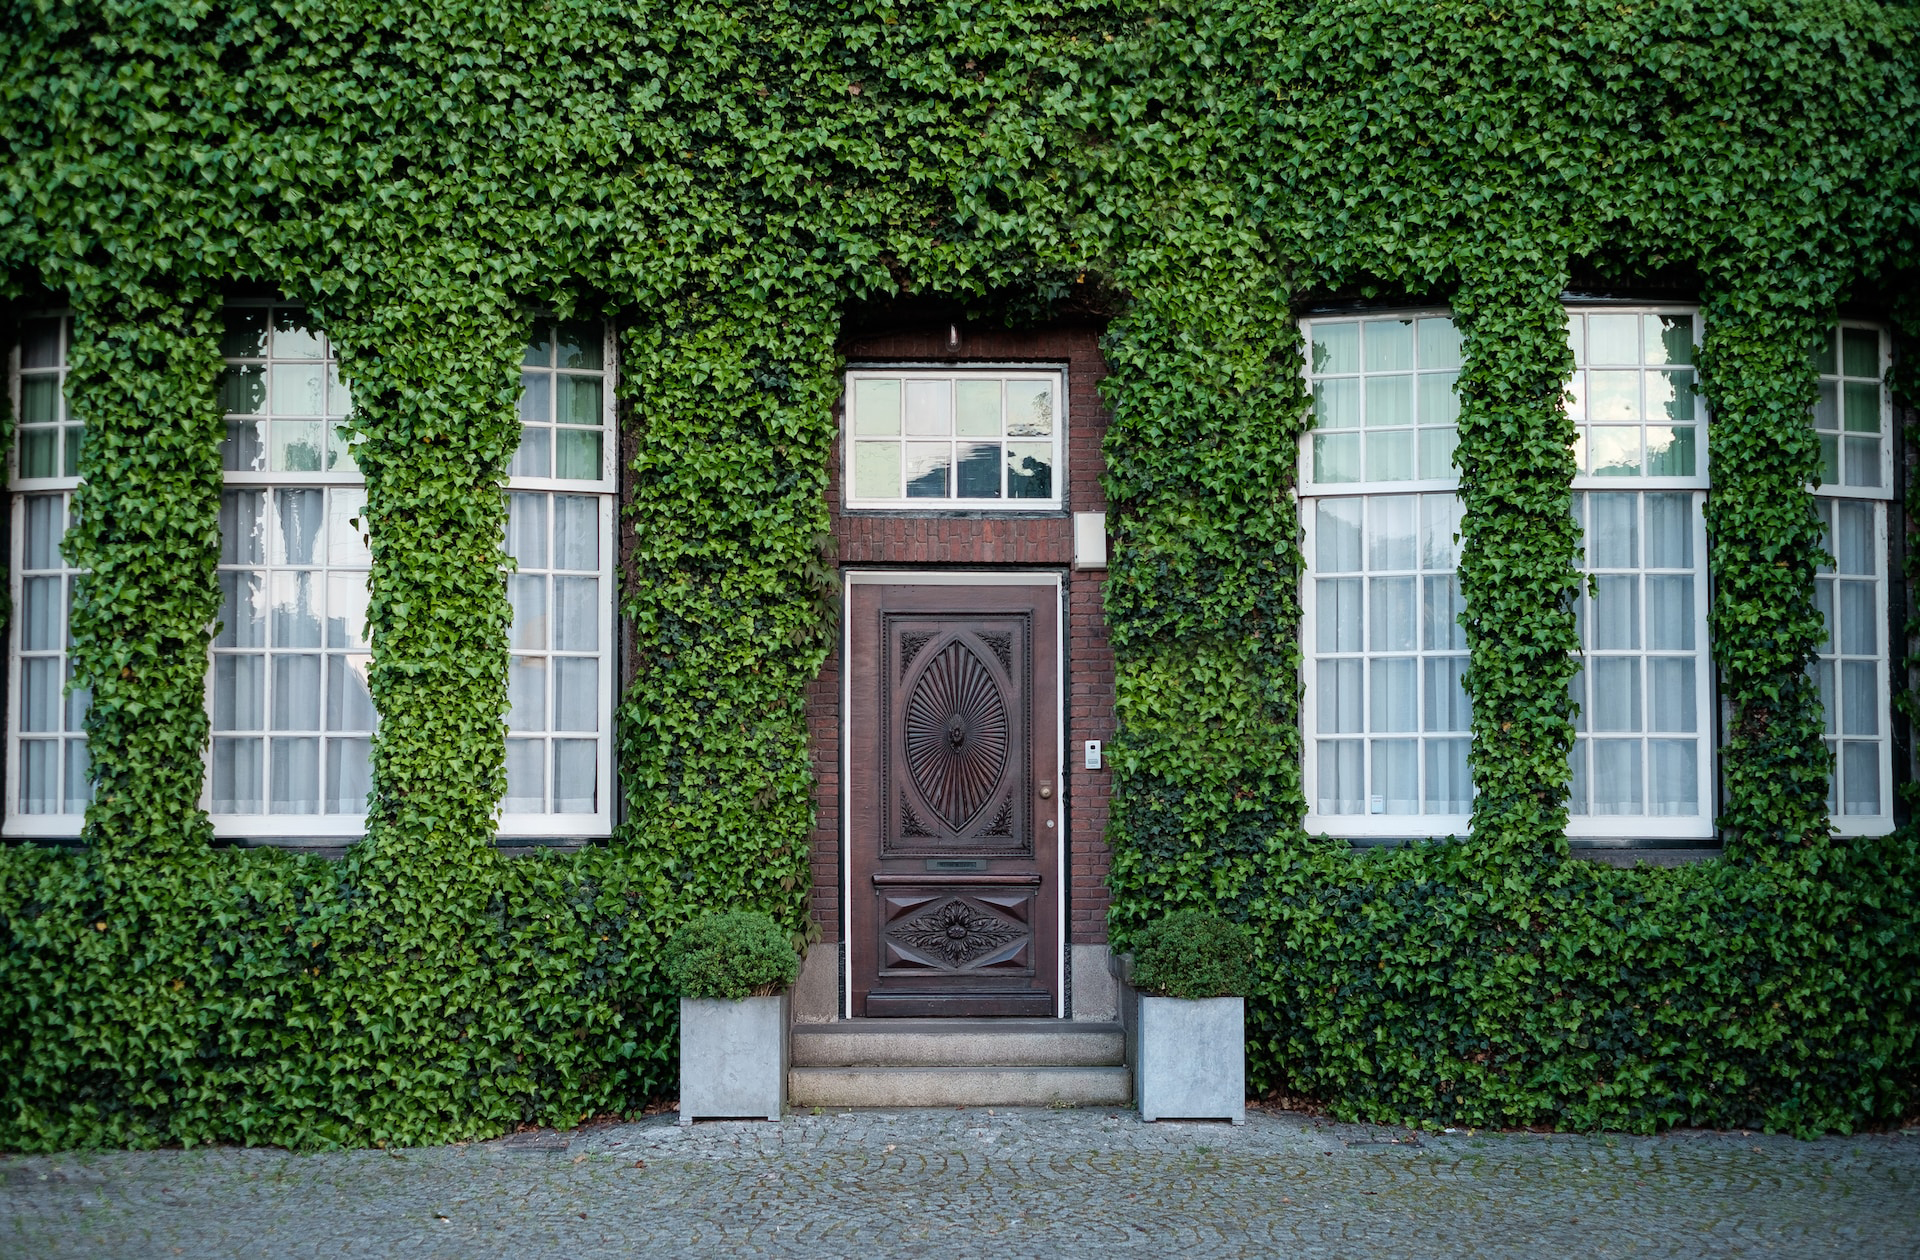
x=739 y=954
x=1193 y=954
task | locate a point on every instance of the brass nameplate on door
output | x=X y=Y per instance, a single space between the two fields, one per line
x=956 y=864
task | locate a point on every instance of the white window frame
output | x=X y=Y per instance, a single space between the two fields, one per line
x=599 y=823
x=1382 y=827
x=1844 y=824
x=1703 y=453
x=287 y=829
x=61 y=825
x=1646 y=826
x=1053 y=373
x=1884 y=492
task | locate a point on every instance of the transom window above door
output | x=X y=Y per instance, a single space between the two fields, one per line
x=976 y=439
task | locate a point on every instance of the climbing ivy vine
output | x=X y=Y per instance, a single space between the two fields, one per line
x=721 y=181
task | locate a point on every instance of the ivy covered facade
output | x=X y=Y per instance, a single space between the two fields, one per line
x=456 y=452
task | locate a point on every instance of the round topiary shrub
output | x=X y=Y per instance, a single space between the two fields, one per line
x=735 y=955
x=1193 y=954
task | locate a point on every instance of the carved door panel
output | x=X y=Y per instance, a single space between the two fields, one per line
x=954 y=814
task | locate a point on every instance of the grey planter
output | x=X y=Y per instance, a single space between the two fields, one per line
x=1190 y=1060
x=733 y=1058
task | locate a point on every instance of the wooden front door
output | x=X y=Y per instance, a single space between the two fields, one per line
x=954 y=799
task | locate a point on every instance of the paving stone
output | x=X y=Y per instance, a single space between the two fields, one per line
x=1009 y=1183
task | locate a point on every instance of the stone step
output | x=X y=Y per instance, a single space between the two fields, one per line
x=959 y=1086
x=957 y=1043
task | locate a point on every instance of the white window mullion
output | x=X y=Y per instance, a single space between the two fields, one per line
x=561 y=508
x=47 y=776
x=292 y=717
x=1853 y=417
x=1385 y=714
x=979 y=439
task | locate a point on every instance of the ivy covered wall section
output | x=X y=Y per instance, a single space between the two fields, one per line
x=721 y=183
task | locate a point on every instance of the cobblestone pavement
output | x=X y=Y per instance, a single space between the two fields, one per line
x=1001 y=1183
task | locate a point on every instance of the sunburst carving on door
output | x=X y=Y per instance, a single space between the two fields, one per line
x=956 y=734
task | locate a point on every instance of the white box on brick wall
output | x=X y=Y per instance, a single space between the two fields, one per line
x=733 y=1058
x=1191 y=1059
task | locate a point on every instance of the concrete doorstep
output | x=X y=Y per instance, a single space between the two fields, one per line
x=974 y=1063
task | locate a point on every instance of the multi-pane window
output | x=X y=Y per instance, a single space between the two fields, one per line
x=1384 y=407
x=1635 y=408
x=1853 y=417
x=560 y=512
x=1389 y=714
x=1850 y=413
x=1640 y=761
x=48 y=782
x=1386 y=712
x=292 y=719
x=973 y=439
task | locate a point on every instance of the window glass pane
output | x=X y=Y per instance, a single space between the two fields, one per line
x=1337 y=535
x=1389 y=345
x=349 y=775
x=1616 y=776
x=979 y=470
x=1341 y=781
x=1449 y=788
x=576 y=703
x=876 y=407
x=580 y=401
x=976 y=408
x=576 y=614
x=1340 y=698
x=577 y=454
x=1029 y=470
x=1029 y=409
x=1860 y=352
x=929 y=408
x=575 y=776
x=1336 y=458
x=1613 y=339
x=1336 y=404
x=927 y=469
x=876 y=470
x=1860 y=773
x=237 y=767
x=1390 y=456
x=1335 y=348
x=1389 y=400
x=1337 y=601
x=576 y=532
x=1396 y=777
x=1439 y=343
x=526 y=777
x=527 y=694
x=1614 y=451
x=579 y=345
x=40 y=344
x=1392 y=536
x=349 y=703
x=1439 y=404
x=1676 y=777
x=294 y=768
x=1669 y=338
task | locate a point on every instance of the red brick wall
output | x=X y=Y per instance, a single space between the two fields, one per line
x=974 y=540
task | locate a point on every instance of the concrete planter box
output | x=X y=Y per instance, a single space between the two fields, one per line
x=1190 y=1060
x=733 y=1058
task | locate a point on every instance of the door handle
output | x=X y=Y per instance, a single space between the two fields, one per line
x=1046 y=791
